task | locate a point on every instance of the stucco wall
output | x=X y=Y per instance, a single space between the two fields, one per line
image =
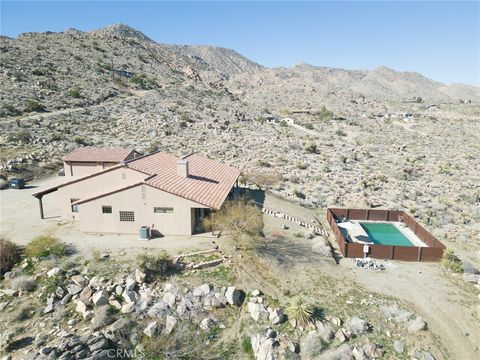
x=141 y=200
x=79 y=169
x=94 y=186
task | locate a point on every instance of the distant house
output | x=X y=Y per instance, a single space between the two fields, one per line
x=172 y=195
x=87 y=160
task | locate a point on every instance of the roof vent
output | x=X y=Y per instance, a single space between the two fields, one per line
x=182 y=168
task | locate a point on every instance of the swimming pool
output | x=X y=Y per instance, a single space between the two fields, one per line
x=385 y=234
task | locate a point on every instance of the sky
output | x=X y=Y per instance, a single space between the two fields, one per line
x=440 y=40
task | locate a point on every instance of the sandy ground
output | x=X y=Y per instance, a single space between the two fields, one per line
x=20 y=222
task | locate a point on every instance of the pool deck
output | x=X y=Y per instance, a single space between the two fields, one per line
x=357 y=233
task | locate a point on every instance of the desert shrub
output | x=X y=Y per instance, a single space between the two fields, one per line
x=45 y=245
x=263 y=163
x=22 y=135
x=247 y=347
x=9 y=255
x=143 y=81
x=311 y=148
x=74 y=93
x=155 y=264
x=33 y=105
x=24 y=312
x=79 y=140
x=26 y=283
x=263 y=179
x=50 y=284
x=340 y=132
x=299 y=194
x=451 y=262
x=10 y=110
x=238 y=217
x=356 y=325
x=39 y=72
x=308 y=126
x=325 y=114
x=301 y=166
x=312 y=345
x=301 y=312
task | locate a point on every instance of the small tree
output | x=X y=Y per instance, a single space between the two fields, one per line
x=9 y=255
x=238 y=217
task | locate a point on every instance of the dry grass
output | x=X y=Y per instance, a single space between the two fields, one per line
x=9 y=255
x=45 y=245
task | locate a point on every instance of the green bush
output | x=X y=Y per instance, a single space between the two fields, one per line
x=79 y=140
x=74 y=93
x=311 y=148
x=45 y=245
x=33 y=105
x=451 y=262
x=50 y=284
x=325 y=114
x=247 y=347
x=155 y=264
x=9 y=255
x=22 y=135
x=10 y=110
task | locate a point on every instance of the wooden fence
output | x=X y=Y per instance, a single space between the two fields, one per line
x=433 y=252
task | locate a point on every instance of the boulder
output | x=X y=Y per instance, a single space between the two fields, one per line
x=276 y=316
x=234 y=296
x=74 y=289
x=169 y=299
x=399 y=346
x=79 y=280
x=121 y=325
x=66 y=299
x=263 y=347
x=170 y=323
x=85 y=294
x=140 y=276
x=151 y=329
x=207 y=324
x=130 y=284
x=127 y=308
x=258 y=312
x=202 y=290
x=48 y=309
x=293 y=347
x=116 y=304
x=129 y=296
x=255 y=293
x=100 y=298
x=53 y=272
x=417 y=324
x=222 y=300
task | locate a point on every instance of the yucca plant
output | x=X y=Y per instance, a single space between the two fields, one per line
x=301 y=312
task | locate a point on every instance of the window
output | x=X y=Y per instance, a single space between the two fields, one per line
x=106 y=209
x=74 y=207
x=127 y=216
x=163 y=210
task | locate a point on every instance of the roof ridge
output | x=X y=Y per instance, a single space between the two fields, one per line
x=142 y=157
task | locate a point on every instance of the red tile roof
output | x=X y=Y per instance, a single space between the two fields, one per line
x=93 y=154
x=208 y=183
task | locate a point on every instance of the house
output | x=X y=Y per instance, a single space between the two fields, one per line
x=172 y=195
x=86 y=160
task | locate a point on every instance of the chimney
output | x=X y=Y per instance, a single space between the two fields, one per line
x=182 y=168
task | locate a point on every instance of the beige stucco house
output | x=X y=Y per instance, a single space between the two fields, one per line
x=87 y=160
x=158 y=190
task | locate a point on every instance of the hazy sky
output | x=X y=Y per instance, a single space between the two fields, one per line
x=441 y=40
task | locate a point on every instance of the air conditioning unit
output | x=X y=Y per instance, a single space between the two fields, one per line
x=145 y=233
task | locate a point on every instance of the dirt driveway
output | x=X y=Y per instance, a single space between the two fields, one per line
x=20 y=222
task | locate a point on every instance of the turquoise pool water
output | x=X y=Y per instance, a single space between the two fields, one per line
x=385 y=234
